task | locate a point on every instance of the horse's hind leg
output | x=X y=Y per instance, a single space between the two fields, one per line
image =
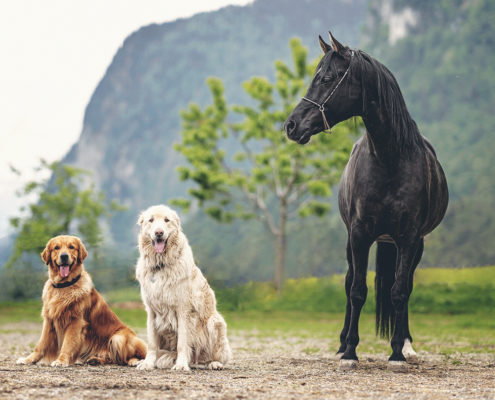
x=407 y=349
x=360 y=246
x=401 y=290
x=348 y=283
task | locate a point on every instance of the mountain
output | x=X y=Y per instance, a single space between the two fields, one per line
x=133 y=117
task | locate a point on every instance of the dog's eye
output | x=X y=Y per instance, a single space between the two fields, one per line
x=71 y=247
x=151 y=219
x=57 y=247
x=166 y=220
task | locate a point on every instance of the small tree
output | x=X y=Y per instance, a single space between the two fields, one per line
x=61 y=204
x=269 y=178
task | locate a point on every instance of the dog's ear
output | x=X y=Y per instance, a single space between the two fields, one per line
x=176 y=219
x=82 y=252
x=140 y=219
x=45 y=254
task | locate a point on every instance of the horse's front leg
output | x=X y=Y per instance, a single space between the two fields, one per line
x=360 y=247
x=401 y=290
x=348 y=283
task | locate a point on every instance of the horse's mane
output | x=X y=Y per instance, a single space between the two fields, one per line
x=390 y=98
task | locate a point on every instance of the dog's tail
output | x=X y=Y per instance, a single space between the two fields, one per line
x=125 y=346
x=386 y=259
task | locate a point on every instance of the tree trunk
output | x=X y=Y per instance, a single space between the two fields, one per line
x=280 y=248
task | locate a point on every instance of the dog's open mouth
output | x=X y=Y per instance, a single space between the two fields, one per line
x=159 y=245
x=64 y=270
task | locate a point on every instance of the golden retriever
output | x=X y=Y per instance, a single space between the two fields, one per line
x=78 y=326
x=184 y=326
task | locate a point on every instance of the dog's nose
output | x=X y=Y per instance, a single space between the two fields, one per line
x=64 y=257
x=159 y=233
x=290 y=126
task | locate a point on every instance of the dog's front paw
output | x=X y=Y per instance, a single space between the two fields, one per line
x=23 y=360
x=215 y=365
x=145 y=364
x=59 y=363
x=133 y=362
x=181 y=367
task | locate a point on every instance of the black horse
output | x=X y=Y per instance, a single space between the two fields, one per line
x=393 y=189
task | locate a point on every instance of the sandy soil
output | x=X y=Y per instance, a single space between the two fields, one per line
x=271 y=368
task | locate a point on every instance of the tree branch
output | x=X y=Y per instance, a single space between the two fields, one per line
x=258 y=202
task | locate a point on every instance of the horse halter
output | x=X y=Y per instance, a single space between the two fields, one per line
x=321 y=106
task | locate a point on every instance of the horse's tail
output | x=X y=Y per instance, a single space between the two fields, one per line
x=386 y=259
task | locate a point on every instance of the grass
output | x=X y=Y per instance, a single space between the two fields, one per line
x=452 y=310
x=452 y=276
x=12 y=311
x=434 y=333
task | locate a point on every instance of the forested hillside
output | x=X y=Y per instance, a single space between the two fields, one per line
x=446 y=69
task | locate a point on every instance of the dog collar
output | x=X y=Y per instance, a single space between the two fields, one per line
x=66 y=284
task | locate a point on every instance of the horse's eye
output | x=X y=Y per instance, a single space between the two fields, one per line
x=151 y=219
x=326 y=79
x=166 y=220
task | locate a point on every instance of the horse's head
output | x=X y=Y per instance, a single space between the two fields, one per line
x=333 y=96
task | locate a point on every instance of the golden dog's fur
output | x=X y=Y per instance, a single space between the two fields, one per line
x=183 y=324
x=78 y=326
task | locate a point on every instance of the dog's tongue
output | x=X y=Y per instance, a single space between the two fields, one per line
x=159 y=247
x=64 y=271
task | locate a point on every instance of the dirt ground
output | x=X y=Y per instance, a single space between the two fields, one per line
x=271 y=368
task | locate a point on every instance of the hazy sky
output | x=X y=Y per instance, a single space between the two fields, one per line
x=54 y=53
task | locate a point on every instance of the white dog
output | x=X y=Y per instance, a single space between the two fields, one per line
x=184 y=326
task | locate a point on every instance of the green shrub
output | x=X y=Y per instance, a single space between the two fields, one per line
x=325 y=295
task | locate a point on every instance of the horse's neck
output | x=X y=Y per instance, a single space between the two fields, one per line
x=381 y=134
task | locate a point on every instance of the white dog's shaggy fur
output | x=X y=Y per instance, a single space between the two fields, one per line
x=183 y=324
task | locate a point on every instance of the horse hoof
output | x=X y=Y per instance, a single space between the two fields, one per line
x=338 y=356
x=397 y=366
x=409 y=353
x=347 y=365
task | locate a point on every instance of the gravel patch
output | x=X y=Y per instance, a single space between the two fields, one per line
x=263 y=368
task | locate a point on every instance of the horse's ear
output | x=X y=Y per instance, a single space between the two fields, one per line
x=324 y=46
x=336 y=45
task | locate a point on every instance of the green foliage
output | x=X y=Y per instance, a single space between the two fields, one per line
x=327 y=295
x=305 y=294
x=63 y=205
x=25 y=281
x=436 y=291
